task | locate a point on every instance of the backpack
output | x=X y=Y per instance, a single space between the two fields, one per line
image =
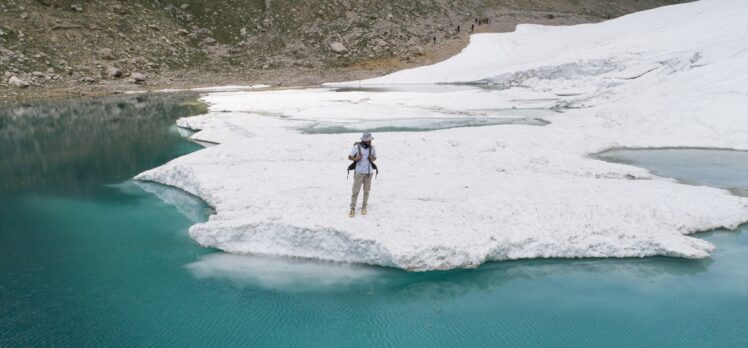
x=352 y=166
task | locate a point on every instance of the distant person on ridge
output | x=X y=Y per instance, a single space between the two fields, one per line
x=363 y=154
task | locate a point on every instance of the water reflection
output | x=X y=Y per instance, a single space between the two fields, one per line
x=74 y=145
x=286 y=274
x=303 y=275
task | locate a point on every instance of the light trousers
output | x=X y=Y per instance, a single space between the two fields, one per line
x=358 y=181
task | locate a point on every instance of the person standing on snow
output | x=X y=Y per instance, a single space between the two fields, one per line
x=363 y=154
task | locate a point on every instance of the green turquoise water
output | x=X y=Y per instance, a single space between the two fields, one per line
x=90 y=258
x=726 y=169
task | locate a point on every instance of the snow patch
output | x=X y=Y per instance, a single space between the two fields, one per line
x=668 y=77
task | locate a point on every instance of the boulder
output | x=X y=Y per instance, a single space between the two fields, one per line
x=338 y=47
x=15 y=81
x=113 y=72
x=120 y=10
x=106 y=53
x=76 y=7
x=137 y=78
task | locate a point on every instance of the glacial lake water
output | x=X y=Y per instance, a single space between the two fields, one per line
x=418 y=124
x=90 y=258
x=726 y=169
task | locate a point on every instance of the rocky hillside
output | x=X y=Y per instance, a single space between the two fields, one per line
x=48 y=44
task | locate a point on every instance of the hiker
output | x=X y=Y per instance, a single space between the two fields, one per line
x=458 y=28
x=472 y=27
x=363 y=154
x=434 y=40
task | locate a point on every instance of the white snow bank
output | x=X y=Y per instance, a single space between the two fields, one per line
x=673 y=76
x=714 y=30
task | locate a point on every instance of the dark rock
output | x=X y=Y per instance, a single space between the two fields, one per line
x=120 y=10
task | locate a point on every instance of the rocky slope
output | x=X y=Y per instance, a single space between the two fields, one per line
x=86 y=47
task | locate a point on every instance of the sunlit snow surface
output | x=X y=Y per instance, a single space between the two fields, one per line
x=462 y=195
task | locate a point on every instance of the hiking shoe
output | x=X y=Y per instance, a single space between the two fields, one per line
x=363 y=211
x=352 y=213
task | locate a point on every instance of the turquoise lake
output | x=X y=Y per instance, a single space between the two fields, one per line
x=89 y=258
